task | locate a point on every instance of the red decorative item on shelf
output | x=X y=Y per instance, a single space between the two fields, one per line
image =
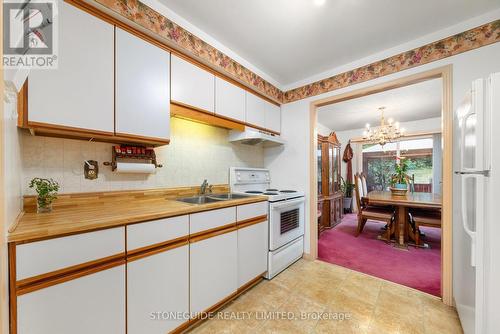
x=132 y=152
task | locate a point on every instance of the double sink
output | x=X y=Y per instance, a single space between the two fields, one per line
x=210 y=198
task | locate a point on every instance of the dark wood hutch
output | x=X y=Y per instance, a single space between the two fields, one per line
x=330 y=197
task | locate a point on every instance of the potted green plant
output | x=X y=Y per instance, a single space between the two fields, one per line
x=399 y=180
x=347 y=188
x=46 y=190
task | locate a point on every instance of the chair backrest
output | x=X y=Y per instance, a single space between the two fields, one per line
x=363 y=182
x=358 y=190
x=412 y=183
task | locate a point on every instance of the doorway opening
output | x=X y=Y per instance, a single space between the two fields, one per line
x=401 y=248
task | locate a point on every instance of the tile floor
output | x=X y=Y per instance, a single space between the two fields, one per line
x=294 y=299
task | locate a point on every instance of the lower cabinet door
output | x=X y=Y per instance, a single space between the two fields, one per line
x=90 y=304
x=252 y=252
x=158 y=292
x=213 y=270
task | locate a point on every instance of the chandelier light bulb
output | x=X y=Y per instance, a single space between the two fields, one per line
x=387 y=132
x=402 y=130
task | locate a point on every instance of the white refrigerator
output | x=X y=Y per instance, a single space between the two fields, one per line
x=476 y=257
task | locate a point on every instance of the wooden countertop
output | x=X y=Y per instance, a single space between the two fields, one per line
x=87 y=212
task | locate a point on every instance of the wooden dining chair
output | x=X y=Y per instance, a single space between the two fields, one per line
x=428 y=218
x=363 y=182
x=365 y=212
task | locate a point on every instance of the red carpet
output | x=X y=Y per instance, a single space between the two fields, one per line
x=416 y=268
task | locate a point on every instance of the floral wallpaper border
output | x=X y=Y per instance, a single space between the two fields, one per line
x=195 y=47
x=465 y=41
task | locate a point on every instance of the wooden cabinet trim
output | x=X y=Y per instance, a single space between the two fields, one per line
x=141 y=138
x=251 y=221
x=182 y=110
x=143 y=252
x=12 y=289
x=65 y=275
x=56 y=274
x=212 y=232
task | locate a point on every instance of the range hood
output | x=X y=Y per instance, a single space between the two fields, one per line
x=251 y=136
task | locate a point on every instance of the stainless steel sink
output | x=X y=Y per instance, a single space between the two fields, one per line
x=203 y=199
x=226 y=197
x=197 y=200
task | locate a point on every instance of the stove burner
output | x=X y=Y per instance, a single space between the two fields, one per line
x=270 y=193
x=288 y=191
x=272 y=190
x=253 y=192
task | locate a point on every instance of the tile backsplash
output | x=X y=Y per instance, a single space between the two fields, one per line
x=196 y=152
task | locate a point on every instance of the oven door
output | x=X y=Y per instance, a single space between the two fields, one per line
x=286 y=221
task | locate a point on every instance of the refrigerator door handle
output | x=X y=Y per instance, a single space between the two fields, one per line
x=479 y=214
x=472 y=172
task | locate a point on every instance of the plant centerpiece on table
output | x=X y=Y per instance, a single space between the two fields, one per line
x=46 y=190
x=399 y=180
x=347 y=188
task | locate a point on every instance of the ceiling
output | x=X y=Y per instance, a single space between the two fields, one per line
x=291 y=40
x=410 y=103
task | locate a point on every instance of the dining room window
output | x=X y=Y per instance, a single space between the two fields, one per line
x=379 y=162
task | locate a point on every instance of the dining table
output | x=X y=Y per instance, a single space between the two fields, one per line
x=402 y=204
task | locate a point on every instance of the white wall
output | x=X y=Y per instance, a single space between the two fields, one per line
x=291 y=165
x=324 y=130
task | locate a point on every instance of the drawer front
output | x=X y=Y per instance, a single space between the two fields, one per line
x=157 y=231
x=207 y=220
x=42 y=257
x=253 y=210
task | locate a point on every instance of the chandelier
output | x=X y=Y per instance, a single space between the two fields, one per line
x=387 y=132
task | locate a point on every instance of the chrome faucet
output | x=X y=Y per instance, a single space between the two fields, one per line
x=204 y=187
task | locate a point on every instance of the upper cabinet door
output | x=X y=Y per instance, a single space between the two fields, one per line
x=142 y=88
x=229 y=100
x=256 y=110
x=79 y=93
x=273 y=117
x=192 y=85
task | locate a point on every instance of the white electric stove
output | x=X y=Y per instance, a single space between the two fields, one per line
x=286 y=215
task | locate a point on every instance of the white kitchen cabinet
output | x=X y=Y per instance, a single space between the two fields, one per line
x=273 y=117
x=80 y=92
x=202 y=221
x=156 y=232
x=158 y=283
x=252 y=252
x=89 y=304
x=262 y=113
x=229 y=100
x=256 y=110
x=191 y=85
x=213 y=270
x=40 y=257
x=142 y=88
